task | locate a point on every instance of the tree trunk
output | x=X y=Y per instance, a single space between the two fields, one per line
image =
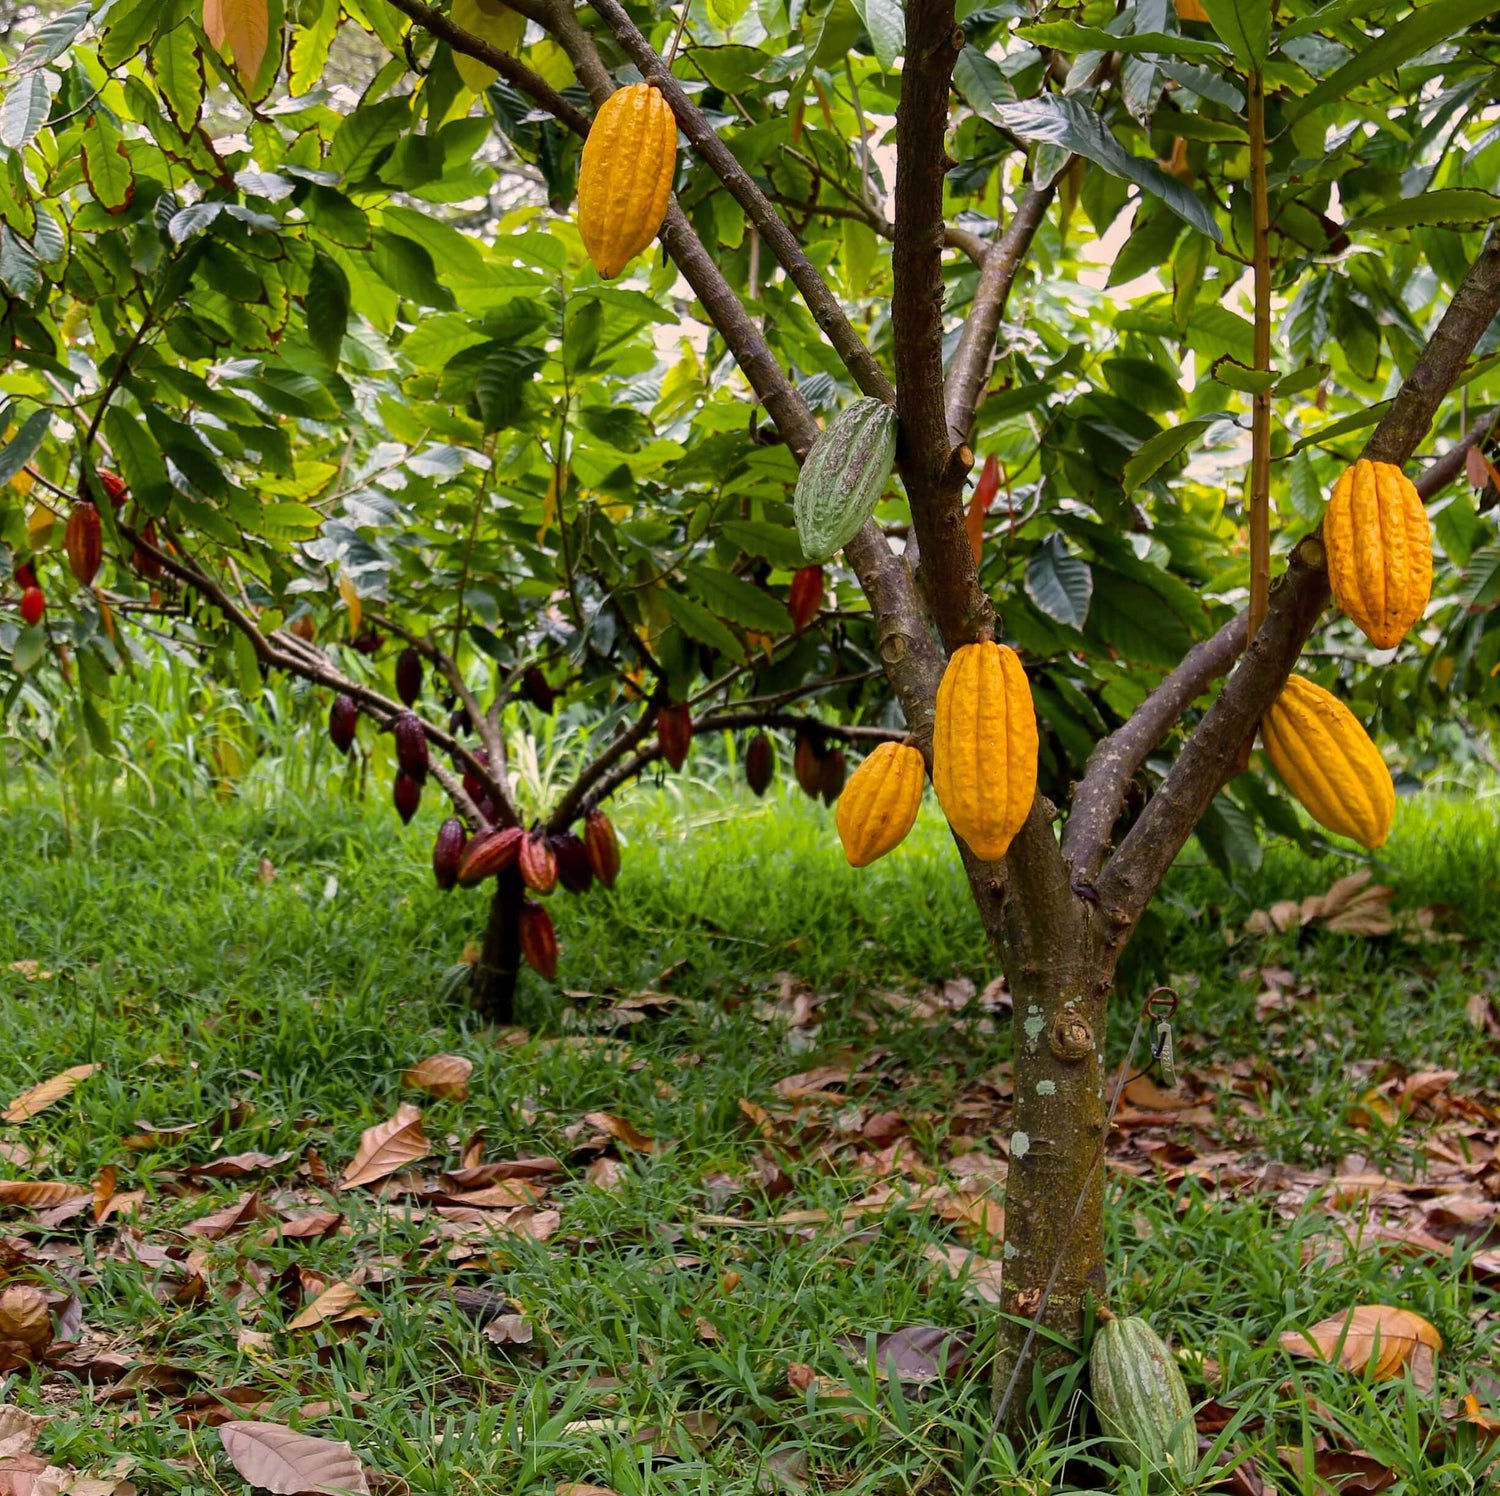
x=1059 y=985
x=493 y=984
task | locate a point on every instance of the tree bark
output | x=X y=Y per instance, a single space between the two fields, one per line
x=493 y=983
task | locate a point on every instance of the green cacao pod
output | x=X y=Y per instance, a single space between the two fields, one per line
x=844 y=476
x=1142 y=1402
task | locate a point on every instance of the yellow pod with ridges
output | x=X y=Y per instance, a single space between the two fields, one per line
x=1327 y=760
x=1379 y=548
x=880 y=803
x=984 y=747
x=625 y=177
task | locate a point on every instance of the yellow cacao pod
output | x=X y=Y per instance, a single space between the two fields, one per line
x=880 y=803
x=1329 y=763
x=625 y=178
x=1379 y=549
x=984 y=747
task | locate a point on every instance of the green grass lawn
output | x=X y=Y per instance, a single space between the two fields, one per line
x=700 y=1317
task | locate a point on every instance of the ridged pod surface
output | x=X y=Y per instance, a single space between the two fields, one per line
x=1142 y=1401
x=538 y=863
x=984 y=747
x=844 y=476
x=674 y=734
x=573 y=870
x=539 y=940
x=488 y=853
x=84 y=542
x=807 y=765
x=406 y=794
x=411 y=745
x=447 y=851
x=1329 y=763
x=602 y=846
x=831 y=777
x=343 y=720
x=1379 y=548
x=409 y=676
x=625 y=178
x=880 y=803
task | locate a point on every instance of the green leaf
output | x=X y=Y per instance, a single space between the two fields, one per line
x=23 y=445
x=106 y=164
x=1246 y=26
x=886 y=23
x=1356 y=422
x=287 y=522
x=698 y=623
x=501 y=384
x=20 y=272
x=327 y=306
x=407 y=268
x=177 y=62
x=778 y=544
x=1070 y=124
x=1425 y=27
x=1480 y=589
x=1070 y=36
x=1154 y=453
x=366 y=135
x=981 y=83
x=1303 y=490
x=1458 y=525
x=31 y=645
x=139 y=460
x=310 y=43
x=1130 y=617
x=1229 y=371
x=1230 y=839
x=1465 y=207
x=736 y=600
x=96 y=728
x=49 y=42
x=1059 y=583
x=24 y=110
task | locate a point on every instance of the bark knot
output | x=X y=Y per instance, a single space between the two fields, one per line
x=1070 y=1037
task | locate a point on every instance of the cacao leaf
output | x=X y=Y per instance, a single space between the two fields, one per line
x=49 y=1093
x=386 y=1147
x=1375 y=1339
x=442 y=1075
x=276 y=1459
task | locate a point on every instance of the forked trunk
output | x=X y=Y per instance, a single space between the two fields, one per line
x=493 y=983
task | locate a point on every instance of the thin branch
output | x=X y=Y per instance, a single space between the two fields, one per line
x=821 y=301
x=966 y=242
x=969 y=372
x=1209 y=757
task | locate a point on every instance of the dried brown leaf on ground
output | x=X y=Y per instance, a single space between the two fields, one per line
x=623 y=1132
x=236 y=1165
x=245 y=1211
x=510 y=1329
x=286 y=1463
x=1350 y=1472
x=334 y=1305
x=48 y=1093
x=1351 y=906
x=980 y=1275
x=913 y=1354
x=575 y=1488
x=445 y=1076
x=1378 y=1339
x=386 y=1147
x=311 y=1223
x=25 y=1317
x=39 y=1194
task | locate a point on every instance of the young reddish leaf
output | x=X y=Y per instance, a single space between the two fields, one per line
x=445 y=1076
x=386 y=1147
x=276 y=1459
x=49 y=1093
x=245 y=26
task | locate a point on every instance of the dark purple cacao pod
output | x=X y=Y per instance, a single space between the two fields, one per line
x=674 y=734
x=343 y=717
x=411 y=746
x=537 y=689
x=831 y=780
x=447 y=851
x=409 y=676
x=474 y=786
x=807 y=764
x=407 y=793
x=573 y=870
x=367 y=643
x=760 y=763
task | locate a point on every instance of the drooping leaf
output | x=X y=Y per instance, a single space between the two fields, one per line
x=242 y=26
x=106 y=164
x=1059 y=583
x=1464 y=207
x=737 y=600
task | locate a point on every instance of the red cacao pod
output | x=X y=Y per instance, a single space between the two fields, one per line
x=342 y=719
x=539 y=940
x=367 y=643
x=760 y=763
x=674 y=734
x=115 y=488
x=25 y=575
x=474 y=786
x=142 y=561
x=807 y=764
x=84 y=542
x=573 y=870
x=411 y=745
x=602 y=846
x=831 y=779
x=447 y=851
x=409 y=676
x=407 y=794
x=488 y=853
x=805 y=596
x=538 y=864
x=33 y=606
x=537 y=689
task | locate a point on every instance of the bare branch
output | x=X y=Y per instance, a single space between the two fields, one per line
x=969 y=371
x=1209 y=757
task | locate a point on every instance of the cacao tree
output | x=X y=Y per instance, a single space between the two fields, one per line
x=311 y=368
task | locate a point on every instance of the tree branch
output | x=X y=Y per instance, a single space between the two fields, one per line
x=821 y=301
x=969 y=371
x=1209 y=757
x=933 y=466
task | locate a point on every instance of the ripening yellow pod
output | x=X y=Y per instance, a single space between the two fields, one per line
x=984 y=747
x=625 y=178
x=879 y=805
x=1379 y=548
x=1329 y=763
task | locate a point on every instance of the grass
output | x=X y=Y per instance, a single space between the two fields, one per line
x=280 y=1014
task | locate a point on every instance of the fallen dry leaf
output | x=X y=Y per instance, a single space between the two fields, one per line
x=1377 y=1339
x=49 y=1093
x=621 y=1131
x=980 y=1275
x=334 y=1303
x=386 y=1147
x=510 y=1329
x=279 y=1460
x=574 y=1488
x=39 y=1194
x=310 y=1223
x=912 y=1354
x=245 y=1211
x=236 y=1165
x=445 y=1076
x=25 y=1316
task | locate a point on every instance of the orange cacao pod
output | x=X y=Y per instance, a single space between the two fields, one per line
x=1329 y=763
x=807 y=765
x=84 y=542
x=984 y=747
x=674 y=734
x=625 y=177
x=1379 y=549
x=538 y=863
x=539 y=940
x=880 y=803
x=488 y=853
x=116 y=490
x=760 y=763
x=805 y=596
x=602 y=846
